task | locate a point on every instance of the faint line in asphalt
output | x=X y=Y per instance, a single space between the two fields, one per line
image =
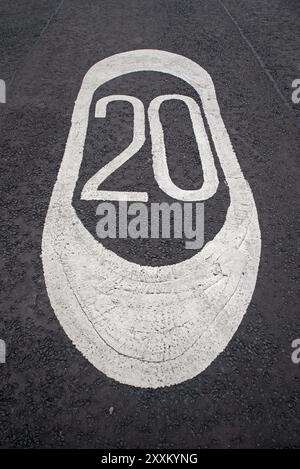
x=257 y=56
x=36 y=42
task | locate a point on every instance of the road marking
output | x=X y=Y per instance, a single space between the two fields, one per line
x=160 y=165
x=150 y=326
x=90 y=190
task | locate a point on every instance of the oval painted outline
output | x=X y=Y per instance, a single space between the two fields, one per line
x=81 y=275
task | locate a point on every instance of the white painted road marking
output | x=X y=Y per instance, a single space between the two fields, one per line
x=160 y=165
x=150 y=326
x=90 y=190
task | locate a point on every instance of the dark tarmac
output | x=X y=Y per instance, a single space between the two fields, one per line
x=50 y=395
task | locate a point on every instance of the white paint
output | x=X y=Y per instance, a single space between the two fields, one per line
x=150 y=326
x=160 y=164
x=90 y=190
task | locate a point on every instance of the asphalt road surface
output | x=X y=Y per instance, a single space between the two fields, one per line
x=51 y=396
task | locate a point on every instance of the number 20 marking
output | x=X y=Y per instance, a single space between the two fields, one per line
x=160 y=165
